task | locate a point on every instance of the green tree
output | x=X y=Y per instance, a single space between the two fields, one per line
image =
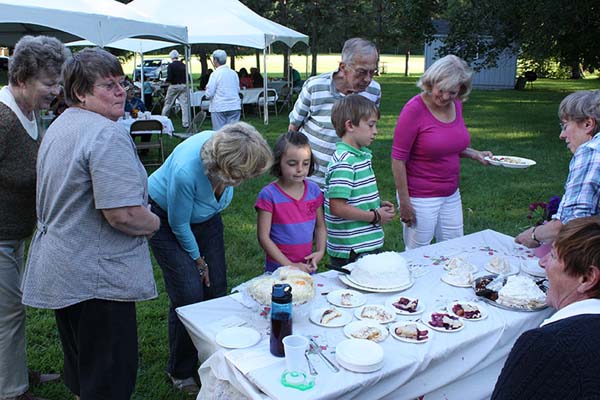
x=558 y=30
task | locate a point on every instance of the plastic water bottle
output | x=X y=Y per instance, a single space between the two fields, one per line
x=281 y=317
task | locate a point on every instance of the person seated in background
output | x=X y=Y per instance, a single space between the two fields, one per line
x=558 y=359
x=204 y=79
x=148 y=90
x=133 y=103
x=246 y=81
x=257 y=78
x=296 y=78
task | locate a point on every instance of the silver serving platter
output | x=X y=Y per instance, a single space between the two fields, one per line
x=542 y=283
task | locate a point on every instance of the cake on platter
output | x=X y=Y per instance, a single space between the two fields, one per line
x=521 y=292
x=261 y=288
x=384 y=270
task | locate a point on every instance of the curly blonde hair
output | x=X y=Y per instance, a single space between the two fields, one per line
x=235 y=153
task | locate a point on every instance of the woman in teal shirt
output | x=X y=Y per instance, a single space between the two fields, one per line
x=188 y=193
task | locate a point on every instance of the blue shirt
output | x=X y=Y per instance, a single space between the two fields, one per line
x=582 y=190
x=181 y=188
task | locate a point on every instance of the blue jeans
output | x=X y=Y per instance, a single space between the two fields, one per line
x=184 y=284
x=220 y=119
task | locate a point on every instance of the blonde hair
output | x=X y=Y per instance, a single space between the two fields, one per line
x=235 y=153
x=447 y=73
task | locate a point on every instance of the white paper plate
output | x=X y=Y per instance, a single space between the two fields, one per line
x=449 y=281
x=391 y=312
x=352 y=284
x=315 y=317
x=357 y=325
x=510 y=161
x=359 y=355
x=391 y=300
x=532 y=267
x=420 y=326
x=237 y=337
x=427 y=321
x=472 y=268
x=357 y=299
x=482 y=310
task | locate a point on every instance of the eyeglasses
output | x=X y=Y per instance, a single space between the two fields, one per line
x=361 y=72
x=122 y=84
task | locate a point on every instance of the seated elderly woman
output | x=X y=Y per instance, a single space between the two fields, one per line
x=89 y=258
x=559 y=359
x=579 y=114
x=188 y=193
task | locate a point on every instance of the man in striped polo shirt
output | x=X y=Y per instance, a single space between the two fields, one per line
x=354 y=213
x=312 y=111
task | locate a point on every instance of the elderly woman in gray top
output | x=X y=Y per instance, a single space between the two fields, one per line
x=89 y=258
x=33 y=75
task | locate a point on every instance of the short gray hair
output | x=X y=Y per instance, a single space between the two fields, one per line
x=83 y=70
x=448 y=72
x=35 y=55
x=220 y=56
x=357 y=46
x=580 y=106
x=235 y=153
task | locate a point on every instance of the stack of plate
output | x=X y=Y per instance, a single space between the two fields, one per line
x=359 y=355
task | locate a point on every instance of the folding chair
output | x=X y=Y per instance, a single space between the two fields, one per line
x=271 y=100
x=285 y=97
x=148 y=128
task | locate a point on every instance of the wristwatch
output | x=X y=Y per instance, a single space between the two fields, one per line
x=534 y=238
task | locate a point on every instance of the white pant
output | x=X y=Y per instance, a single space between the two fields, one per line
x=441 y=217
x=182 y=93
x=13 y=363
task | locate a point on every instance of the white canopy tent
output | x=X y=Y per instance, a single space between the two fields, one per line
x=99 y=21
x=222 y=22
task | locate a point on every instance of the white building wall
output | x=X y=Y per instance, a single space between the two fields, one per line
x=502 y=76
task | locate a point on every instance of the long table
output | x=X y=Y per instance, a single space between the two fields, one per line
x=461 y=365
x=165 y=121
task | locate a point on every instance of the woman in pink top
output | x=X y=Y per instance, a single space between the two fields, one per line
x=429 y=139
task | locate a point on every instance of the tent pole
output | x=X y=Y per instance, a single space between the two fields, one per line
x=265 y=102
x=189 y=82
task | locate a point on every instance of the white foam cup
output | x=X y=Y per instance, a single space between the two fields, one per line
x=294 y=347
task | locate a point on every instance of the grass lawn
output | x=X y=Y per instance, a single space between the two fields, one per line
x=507 y=122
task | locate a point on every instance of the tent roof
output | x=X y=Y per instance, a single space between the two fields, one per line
x=220 y=22
x=99 y=21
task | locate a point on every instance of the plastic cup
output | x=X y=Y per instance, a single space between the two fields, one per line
x=294 y=347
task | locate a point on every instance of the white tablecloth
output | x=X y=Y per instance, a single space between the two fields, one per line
x=165 y=121
x=250 y=97
x=460 y=365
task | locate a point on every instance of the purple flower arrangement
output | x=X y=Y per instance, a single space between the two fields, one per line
x=540 y=212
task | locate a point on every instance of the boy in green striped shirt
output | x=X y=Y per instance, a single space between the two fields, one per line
x=354 y=212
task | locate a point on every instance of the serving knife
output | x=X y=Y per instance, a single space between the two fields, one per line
x=314 y=346
x=339 y=269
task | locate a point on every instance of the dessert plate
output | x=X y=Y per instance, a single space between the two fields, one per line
x=482 y=311
x=359 y=355
x=353 y=298
x=420 y=327
x=510 y=161
x=379 y=313
x=448 y=279
x=237 y=337
x=428 y=322
x=315 y=317
x=354 y=329
x=532 y=267
x=390 y=304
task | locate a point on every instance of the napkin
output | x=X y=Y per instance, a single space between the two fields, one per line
x=253 y=358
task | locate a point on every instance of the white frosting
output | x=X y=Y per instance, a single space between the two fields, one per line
x=520 y=291
x=460 y=264
x=499 y=265
x=459 y=277
x=383 y=270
